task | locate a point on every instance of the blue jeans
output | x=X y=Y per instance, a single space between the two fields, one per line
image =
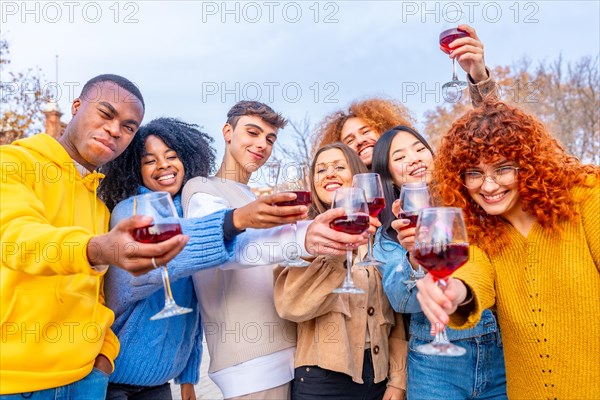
x=118 y=391
x=479 y=374
x=314 y=383
x=92 y=387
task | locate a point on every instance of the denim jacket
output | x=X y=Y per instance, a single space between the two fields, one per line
x=403 y=296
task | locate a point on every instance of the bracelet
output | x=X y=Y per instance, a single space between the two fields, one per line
x=468 y=299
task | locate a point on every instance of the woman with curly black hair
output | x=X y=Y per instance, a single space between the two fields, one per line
x=124 y=174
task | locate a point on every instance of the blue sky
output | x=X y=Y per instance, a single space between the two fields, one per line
x=194 y=60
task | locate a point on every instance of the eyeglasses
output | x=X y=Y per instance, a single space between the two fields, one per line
x=502 y=176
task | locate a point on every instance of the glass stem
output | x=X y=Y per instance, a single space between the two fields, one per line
x=349 y=281
x=454 y=74
x=370 y=249
x=441 y=338
x=165 y=278
x=296 y=253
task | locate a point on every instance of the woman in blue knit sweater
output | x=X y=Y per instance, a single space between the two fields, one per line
x=163 y=156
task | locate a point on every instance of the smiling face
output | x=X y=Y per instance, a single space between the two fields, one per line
x=494 y=198
x=162 y=169
x=104 y=122
x=360 y=138
x=249 y=144
x=331 y=172
x=410 y=160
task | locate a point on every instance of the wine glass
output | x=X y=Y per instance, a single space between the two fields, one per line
x=159 y=206
x=441 y=246
x=414 y=196
x=293 y=178
x=450 y=33
x=371 y=184
x=355 y=222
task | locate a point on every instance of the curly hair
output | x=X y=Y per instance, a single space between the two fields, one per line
x=354 y=163
x=546 y=172
x=378 y=113
x=123 y=174
x=381 y=162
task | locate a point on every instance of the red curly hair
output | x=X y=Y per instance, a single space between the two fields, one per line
x=378 y=113
x=546 y=172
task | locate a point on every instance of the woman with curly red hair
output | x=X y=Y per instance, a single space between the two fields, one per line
x=532 y=212
x=361 y=125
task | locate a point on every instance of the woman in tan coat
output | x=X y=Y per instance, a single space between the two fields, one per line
x=349 y=345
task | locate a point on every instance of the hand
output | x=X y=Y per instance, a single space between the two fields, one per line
x=118 y=247
x=322 y=240
x=103 y=364
x=188 y=392
x=392 y=393
x=468 y=52
x=406 y=236
x=438 y=304
x=263 y=213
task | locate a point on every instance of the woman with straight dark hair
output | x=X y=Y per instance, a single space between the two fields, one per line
x=401 y=156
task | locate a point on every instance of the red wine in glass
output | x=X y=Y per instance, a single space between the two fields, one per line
x=156 y=233
x=375 y=206
x=452 y=90
x=371 y=184
x=450 y=35
x=353 y=224
x=442 y=261
x=303 y=198
x=412 y=217
x=441 y=246
x=159 y=206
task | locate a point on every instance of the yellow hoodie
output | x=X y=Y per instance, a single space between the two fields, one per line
x=53 y=322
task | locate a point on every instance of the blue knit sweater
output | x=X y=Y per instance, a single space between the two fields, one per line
x=154 y=352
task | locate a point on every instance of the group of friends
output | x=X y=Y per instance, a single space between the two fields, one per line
x=78 y=291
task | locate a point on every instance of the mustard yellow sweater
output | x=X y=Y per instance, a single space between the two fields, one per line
x=546 y=288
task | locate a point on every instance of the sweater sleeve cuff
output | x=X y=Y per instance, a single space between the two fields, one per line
x=229 y=230
x=110 y=347
x=301 y=228
x=468 y=315
x=484 y=89
x=191 y=372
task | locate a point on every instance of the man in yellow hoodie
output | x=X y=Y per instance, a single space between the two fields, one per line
x=55 y=337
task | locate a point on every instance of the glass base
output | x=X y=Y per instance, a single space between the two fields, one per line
x=349 y=289
x=295 y=263
x=367 y=262
x=170 y=311
x=452 y=91
x=441 y=349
